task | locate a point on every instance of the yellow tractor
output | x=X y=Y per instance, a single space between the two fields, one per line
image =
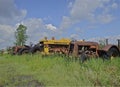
x=52 y=46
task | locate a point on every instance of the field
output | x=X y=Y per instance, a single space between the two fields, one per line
x=38 y=71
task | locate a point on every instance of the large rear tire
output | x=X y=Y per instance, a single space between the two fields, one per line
x=35 y=49
x=113 y=52
x=23 y=51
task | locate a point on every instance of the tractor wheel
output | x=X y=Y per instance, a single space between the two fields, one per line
x=23 y=51
x=113 y=52
x=105 y=56
x=34 y=49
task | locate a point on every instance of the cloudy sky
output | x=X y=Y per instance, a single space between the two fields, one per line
x=80 y=19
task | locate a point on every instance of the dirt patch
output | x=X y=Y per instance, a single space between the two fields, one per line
x=24 y=81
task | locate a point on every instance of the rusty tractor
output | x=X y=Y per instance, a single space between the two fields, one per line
x=46 y=47
x=16 y=49
x=76 y=49
x=20 y=49
x=86 y=49
x=52 y=46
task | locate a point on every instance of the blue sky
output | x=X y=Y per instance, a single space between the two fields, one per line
x=79 y=19
x=52 y=9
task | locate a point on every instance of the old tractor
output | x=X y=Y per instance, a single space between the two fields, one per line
x=87 y=49
x=52 y=46
x=20 y=49
x=76 y=49
x=16 y=49
x=46 y=46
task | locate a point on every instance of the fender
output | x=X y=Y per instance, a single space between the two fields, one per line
x=112 y=50
x=108 y=47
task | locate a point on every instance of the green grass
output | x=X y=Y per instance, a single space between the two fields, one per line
x=35 y=70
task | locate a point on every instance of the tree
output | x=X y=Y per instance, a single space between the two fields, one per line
x=20 y=35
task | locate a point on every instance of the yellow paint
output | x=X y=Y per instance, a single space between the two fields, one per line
x=46 y=43
x=46 y=50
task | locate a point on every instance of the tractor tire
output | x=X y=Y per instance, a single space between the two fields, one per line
x=34 y=49
x=23 y=51
x=113 y=52
x=105 y=56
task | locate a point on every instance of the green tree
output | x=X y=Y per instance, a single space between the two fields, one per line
x=20 y=35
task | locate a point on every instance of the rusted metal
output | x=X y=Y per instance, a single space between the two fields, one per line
x=90 y=48
x=55 y=46
x=86 y=43
x=107 y=47
x=16 y=49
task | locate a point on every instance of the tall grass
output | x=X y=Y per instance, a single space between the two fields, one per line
x=35 y=70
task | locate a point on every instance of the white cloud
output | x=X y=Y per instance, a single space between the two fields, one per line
x=33 y=23
x=66 y=22
x=70 y=4
x=94 y=11
x=6 y=29
x=9 y=16
x=82 y=8
x=51 y=27
x=107 y=18
x=9 y=13
x=1 y=40
x=74 y=36
x=115 y=5
x=37 y=29
x=6 y=35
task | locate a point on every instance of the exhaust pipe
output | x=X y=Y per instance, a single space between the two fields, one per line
x=118 y=43
x=106 y=40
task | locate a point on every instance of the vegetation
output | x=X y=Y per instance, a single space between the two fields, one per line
x=42 y=71
x=20 y=35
